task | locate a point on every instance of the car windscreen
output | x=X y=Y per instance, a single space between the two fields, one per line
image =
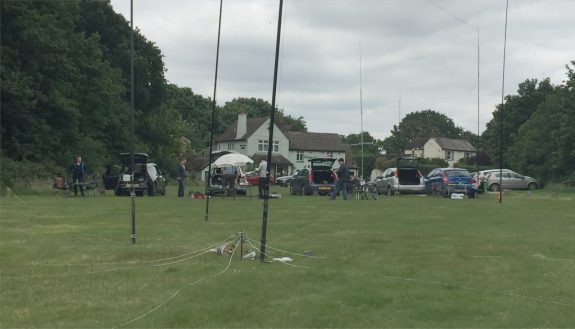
x=457 y=172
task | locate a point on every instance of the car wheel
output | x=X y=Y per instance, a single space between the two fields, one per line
x=494 y=187
x=532 y=186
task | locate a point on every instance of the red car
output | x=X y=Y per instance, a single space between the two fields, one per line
x=253 y=178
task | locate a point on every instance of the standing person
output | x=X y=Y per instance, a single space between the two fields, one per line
x=229 y=181
x=342 y=176
x=181 y=170
x=262 y=170
x=78 y=171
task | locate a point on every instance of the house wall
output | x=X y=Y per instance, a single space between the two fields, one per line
x=262 y=133
x=414 y=153
x=250 y=146
x=431 y=149
x=234 y=146
x=458 y=155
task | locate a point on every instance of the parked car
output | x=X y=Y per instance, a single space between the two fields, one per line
x=318 y=178
x=446 y=181
x=286 y=180
x=510 y=180
x=403 y=179
x=217 y=179
x=478 y=177
x=253 y=178
x=148 y=178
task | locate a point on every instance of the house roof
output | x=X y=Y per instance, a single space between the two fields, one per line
x=305 y=141
x=417 y=143
x=252 y=124
x=454 y=144
x=277 y=159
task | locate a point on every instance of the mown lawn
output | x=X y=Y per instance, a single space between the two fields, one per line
x=406 y=261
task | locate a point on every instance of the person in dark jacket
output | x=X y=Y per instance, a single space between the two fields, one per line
x=342 y=175
x=181 y=170
x=78 y=171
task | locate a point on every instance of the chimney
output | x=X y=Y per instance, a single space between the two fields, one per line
x=242 y=127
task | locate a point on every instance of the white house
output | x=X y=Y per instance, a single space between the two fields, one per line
x=290 y=150
x=450 y=149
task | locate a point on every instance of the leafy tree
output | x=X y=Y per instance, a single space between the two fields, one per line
x=98 y=19
x=543 y=145
x=59 y=95
x=195 y=115
x=257 y=107
x=517 y=110
x=371 y=150
x=423 y=124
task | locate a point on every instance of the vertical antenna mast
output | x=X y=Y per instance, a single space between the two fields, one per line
x=132 y=191
x=270 y=140
x=501 y=112
x=210 y=156
x=478 y=139
x=399 y=111
x=361 y=108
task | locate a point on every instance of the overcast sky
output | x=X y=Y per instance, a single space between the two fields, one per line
x=415 y=54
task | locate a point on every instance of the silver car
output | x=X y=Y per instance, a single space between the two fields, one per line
x=510 y=180
x=403 y=179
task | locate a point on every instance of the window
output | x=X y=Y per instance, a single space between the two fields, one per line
x=449 y=155
x=231 y=146
x=243 y=146
x=330 y=154
x=263 y=146
x=467 y=154
x=299 y=156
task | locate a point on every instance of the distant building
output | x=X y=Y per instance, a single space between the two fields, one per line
x=450 y=149
x=290 y=150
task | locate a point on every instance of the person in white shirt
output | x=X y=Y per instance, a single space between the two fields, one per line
x=262 y=170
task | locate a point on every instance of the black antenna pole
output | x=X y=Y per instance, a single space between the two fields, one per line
x=210 y=157
x=132 y=191
x=501 y=112
x=270 y=140
x=361 y=109
x=478 y=137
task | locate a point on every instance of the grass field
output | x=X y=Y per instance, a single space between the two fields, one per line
x=407 y=261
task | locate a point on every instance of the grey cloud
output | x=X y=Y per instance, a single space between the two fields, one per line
x=410 y=49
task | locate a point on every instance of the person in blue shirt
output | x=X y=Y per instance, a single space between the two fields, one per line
x=342 y=176
x=78 y=171
x=229 y=181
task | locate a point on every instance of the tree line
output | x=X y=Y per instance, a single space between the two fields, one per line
x=65 y=72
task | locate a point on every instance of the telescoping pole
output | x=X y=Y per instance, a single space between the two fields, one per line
x=132 y=191
x=270 y=141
